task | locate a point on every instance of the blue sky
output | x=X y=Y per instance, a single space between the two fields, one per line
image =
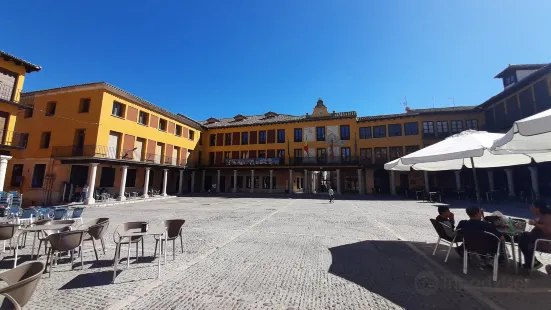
x=220 y=58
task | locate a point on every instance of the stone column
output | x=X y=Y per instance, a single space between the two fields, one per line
x=271 y=180
x=193 y=182
x=457 y=180
x=392 y=183
x=234 y=189
x=181 y=183
x=305 y=182
x=360 y=183
x=3 y=168
x=218 y=181
x=427 y=183
x=165 y=180
x=314 y=182
x=91 y=184
x=491 y=179
x=146 y=183
x=510 y=182
x=535 y=181
x=290 y=181
x=252 y=181
x=203 y=181
x=339 y=181
x=122 y=188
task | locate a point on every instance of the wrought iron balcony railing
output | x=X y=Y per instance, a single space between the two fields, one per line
x=106 y=152
x=13 y=139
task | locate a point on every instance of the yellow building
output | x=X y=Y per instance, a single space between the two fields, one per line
x=312 y=152
x=102 y=136
x=12 y=77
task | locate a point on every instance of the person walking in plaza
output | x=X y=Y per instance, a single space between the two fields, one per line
x=331 y=195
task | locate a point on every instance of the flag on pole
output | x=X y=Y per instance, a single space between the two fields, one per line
x=306 y=145
x=331 y=154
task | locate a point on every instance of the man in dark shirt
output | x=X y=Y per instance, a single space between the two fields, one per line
x=475 y=223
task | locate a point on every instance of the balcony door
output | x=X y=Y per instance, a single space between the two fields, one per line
x=78 y=142
x=113 y=145
x=139 y=149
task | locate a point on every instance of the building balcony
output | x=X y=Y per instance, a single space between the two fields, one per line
x=325 y=161
x=9 y=95
x=13 y=140
x=112 y=154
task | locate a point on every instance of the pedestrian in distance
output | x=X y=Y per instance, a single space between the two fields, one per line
x=331 y=195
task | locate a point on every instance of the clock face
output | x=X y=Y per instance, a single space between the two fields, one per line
x=320 y=113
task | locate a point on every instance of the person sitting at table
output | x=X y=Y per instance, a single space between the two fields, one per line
x=475 y=223
x=445 y=216
x=541 y=230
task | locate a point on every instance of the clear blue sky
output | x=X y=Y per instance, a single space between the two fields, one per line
x=220 y=58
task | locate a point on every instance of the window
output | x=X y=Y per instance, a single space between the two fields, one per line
x=143 y=118
x=471 y=124
x=244 y=154
x=227 y=138
x=23 y=140
x=38 y=175
x=298 y=134
x=17 y=175
x=394 y=130
x=178 y=130
x=162 y=124
x=45 y=140
x=345 y=152
x=107 y=178
x=365 y=132
x=442 y=127
x=281 y=136
x=50 y=108
x=366 y=155
x=411 y=148
x=428 y=129
x=29 y=113
x=191 y=135
x=381 y=155
x=84 y=106
x=297 y=153
x=261 y=154
x=118 y=109
x=345 y=132
x=320 y=133
x=457 y=126
x=262 y=137
x=281 y=154
x=211 y=158
x=379 y=131
x=245 y=138
x=131 y=178
x=411 y=129
x=212 y=139
x=508 y=80
x=396 y=152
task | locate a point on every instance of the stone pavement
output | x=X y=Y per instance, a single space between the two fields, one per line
x=280 y=253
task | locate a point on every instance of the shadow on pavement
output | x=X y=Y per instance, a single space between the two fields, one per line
x=90 y=280
x=396 y=272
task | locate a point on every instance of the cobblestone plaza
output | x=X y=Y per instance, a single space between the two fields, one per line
x=281 y=253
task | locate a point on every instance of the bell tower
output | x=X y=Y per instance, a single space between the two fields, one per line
x=320 y=109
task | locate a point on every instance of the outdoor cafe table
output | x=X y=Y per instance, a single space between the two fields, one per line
x=35 y=229
x=152 y=231
x=512 y=233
